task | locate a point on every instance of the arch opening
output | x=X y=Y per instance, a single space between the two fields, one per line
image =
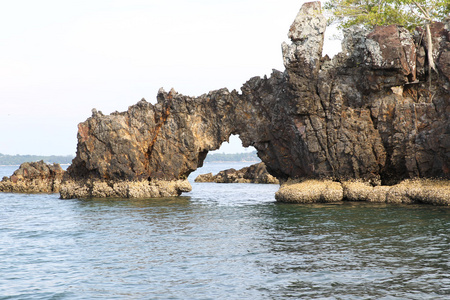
x=230 y=176
x=230 y=155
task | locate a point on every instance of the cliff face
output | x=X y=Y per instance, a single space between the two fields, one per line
x=392 y=123
x=370 y=113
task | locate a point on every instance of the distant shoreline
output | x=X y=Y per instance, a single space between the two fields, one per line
x=234 y=157
x=17 y=160
x=18 y=165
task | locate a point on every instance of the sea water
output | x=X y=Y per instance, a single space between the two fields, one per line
x=220 y=241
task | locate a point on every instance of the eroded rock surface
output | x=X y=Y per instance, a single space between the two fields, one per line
x=34 y=177
x=436 y=192
x=256 y=173
x=369 y=114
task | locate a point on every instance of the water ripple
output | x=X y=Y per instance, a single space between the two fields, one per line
x=220 y=242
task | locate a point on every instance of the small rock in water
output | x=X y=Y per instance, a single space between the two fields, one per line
x=256 y=173
x=34 y=177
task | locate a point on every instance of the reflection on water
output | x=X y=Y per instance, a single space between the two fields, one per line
x=221 y=241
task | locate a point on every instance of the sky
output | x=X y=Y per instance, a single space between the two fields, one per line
x=60 y=59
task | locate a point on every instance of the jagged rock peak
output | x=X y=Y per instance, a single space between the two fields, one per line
x=308 y=23
x=307 y=36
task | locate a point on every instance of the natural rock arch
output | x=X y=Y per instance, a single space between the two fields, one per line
x=356 y=116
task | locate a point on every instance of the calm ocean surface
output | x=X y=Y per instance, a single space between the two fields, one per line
x=221 y=241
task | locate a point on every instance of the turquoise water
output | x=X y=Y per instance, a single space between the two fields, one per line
x=221 y=241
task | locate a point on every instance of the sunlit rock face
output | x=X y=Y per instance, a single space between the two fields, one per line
x=369 y=113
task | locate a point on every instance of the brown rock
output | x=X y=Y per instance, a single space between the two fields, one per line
x=359 y=116
x=34 y=177
x=209 y=177
x=392 y=48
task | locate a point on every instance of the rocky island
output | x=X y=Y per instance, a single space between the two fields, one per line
x=256 y=173
x=362 y=122
x=34 y=177
x=368 y=115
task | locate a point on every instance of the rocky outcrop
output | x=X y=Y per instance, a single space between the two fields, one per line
x=34 y=177
x=256 y=173
x=369 y=114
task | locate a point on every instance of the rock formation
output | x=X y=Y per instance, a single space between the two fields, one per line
x=34 y=177
x=368 y=114
x=428 y=191
x=256 y=173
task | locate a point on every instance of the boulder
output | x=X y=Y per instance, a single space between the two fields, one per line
x=34 y=177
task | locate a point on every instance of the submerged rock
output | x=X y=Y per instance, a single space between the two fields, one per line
x=34 y=177
x=368 y=114
x=256 y=173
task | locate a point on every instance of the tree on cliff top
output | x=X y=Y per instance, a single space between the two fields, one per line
x=369 y=13
x=407 y=13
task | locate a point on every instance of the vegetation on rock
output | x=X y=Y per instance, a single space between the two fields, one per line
x=407 y=13
x=370 y=13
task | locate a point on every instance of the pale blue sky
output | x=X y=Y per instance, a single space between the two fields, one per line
x=59 y=59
